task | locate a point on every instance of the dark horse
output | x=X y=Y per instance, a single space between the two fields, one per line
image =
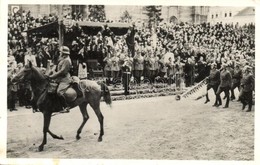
x=48 y=102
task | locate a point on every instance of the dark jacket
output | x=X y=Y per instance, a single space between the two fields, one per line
x=247 y=83
x=214 y=77
x=225 y=79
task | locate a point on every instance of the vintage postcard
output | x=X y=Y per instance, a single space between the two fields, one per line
x=102 y=82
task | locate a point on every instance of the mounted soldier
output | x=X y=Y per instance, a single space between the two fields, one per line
x=62 y=76
x=49 y=102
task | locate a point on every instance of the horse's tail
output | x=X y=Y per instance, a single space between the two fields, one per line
x=106 y=94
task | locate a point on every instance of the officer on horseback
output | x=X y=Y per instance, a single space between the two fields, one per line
x=62 y=75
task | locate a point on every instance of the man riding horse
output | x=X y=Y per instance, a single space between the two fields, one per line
x=89 y=93
x=62 y=76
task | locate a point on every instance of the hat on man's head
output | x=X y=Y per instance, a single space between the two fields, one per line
x=65 y=50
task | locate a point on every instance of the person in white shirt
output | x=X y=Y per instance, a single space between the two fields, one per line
x=29 y=57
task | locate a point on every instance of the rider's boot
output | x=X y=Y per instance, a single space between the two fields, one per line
x=66 y=108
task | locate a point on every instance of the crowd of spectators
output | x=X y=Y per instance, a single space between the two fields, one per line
x=164 y=51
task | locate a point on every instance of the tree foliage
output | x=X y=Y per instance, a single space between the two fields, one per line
x=154 y=14
x=97 y=13
x=126 y=16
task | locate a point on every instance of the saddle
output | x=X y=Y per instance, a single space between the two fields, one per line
x=72 y=92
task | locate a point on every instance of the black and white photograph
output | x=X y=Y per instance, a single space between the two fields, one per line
x=108 y=81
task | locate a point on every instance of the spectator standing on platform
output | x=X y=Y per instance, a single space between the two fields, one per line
x=108 y=64
x=152 y=62
x=75 y=56
x=188 y=71
x=121 y=61
x=126 y=69
x=170 y=70
x=162 y=67
x=138 y=61
x=130 y=39
x=144 y=53
x=115 y=66
x=82 y=71
x=46 y=56
x=129 y=62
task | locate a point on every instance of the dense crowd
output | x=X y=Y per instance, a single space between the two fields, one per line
x=166 y=51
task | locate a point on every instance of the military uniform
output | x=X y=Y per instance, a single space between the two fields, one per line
x=246 y=93
x=162 y=68
x=170 y=71
x=115 y=67
x=225 y=85
x=236 y=78
x=62 y=75
x=107 y=69
x=213 y=82
x=126 y=78
x=138 y=67
x=152 y=68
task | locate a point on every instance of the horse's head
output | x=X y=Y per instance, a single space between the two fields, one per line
x=29 y=72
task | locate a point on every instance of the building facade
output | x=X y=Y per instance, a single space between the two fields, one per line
x=177 y=14
x=231 y=15
x=189 y=14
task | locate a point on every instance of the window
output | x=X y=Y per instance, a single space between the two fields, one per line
x=230 y=14
x=225 y=14
x=216 y=15
x=212 y=16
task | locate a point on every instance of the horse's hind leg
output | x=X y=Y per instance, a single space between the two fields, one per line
x=55 y=136
x=96 y=108
x=83 y=110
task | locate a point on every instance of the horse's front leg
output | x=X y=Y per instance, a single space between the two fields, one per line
x=46 y=124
